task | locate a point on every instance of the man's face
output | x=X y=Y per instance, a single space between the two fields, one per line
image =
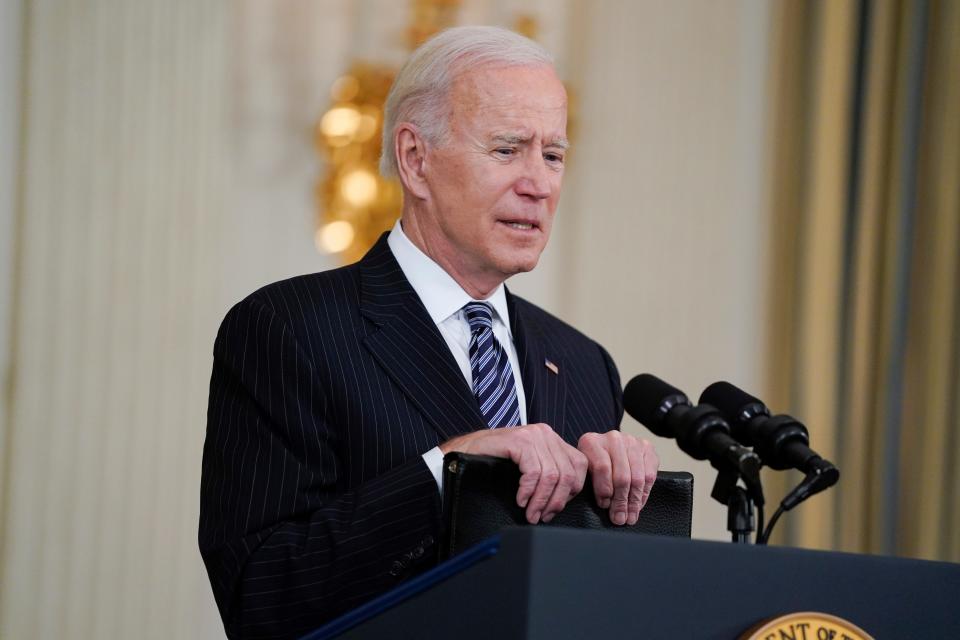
x=495 y=183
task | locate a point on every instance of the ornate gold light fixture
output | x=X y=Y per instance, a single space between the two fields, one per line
x=355 y=203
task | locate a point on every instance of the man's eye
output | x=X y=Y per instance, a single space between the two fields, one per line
x=504 y=151
x=554 y=158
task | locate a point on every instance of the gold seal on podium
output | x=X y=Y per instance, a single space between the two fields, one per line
x=806 y=625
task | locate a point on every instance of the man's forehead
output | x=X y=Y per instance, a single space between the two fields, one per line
x=502 y=100
x=498 y=85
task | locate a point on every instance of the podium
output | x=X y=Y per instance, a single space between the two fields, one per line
x=549 y=583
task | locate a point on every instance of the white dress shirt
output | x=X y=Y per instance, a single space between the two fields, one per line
x=444 y=300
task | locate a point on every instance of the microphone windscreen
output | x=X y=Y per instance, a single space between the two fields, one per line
x=644 y=399
x=730 y=400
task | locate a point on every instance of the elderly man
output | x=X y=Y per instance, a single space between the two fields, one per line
x=335 y=395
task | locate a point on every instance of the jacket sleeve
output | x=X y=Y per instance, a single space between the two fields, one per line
x=286 y=545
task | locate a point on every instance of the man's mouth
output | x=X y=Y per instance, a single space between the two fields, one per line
x=520 y=225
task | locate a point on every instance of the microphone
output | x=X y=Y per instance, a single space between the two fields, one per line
x=781 y=441
x=700 y=431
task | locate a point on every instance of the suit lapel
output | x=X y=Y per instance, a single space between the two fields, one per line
x=543 y=385
x=409 y=347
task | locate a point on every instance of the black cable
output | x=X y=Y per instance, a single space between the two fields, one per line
x=773 y=521
x=759 y=538
x=822 y=476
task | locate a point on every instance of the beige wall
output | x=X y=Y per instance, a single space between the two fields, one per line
x=168 y=171
x=121 y=226
x=11 y=52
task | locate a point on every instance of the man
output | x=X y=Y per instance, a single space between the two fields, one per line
x=334 y=396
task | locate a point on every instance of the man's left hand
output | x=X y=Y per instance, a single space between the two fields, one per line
x=623 y=469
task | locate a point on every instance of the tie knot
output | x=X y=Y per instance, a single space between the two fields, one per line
x=478 y=315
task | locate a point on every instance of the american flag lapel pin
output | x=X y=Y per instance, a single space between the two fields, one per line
x=549 y=365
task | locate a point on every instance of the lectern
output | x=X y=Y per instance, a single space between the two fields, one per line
x=549 y=583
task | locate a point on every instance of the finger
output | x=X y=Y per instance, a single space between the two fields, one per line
x=638 y=479
x=600 y=468
x=529 y=477
x=651 y=464
x=530 y=466
x=621 y=477
x=549 y=476
x=580 y=466
x=566 y=480
x=544 y=489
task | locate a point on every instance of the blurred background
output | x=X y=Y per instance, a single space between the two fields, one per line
x=762 y=192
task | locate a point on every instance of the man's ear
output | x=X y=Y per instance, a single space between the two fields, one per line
x=410 y=150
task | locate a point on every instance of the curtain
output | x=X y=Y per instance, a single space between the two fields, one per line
x=864 y=301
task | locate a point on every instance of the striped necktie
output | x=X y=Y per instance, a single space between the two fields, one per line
x=493 y=383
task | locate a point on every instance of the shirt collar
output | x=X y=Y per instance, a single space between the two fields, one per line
x=440 y=293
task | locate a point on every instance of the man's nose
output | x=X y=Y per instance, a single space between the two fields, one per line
x=535 y=181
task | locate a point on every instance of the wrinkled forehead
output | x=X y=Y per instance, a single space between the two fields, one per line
x=493 y=92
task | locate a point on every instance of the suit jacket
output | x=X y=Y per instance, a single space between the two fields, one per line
x=326 y=390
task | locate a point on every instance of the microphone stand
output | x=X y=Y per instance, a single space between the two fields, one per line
x=739 y=501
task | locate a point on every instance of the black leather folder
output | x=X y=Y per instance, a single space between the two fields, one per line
x=479 y=499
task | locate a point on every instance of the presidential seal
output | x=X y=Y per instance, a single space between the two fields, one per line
x=806 y=625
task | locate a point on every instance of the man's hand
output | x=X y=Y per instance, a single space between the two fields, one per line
x=552 y=471
x=623 y=469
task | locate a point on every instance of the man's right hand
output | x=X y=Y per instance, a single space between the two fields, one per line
x=552 y=471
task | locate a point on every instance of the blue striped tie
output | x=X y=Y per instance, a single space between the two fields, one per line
x=493 y=383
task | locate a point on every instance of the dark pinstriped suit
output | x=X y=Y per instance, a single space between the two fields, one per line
x=326 y=390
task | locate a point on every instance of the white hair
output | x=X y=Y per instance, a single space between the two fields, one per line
x=419 y=92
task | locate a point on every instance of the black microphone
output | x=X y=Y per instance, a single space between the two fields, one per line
x=700 y=431
x=781 y=441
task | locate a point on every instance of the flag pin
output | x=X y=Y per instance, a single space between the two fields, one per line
x=549 y=365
